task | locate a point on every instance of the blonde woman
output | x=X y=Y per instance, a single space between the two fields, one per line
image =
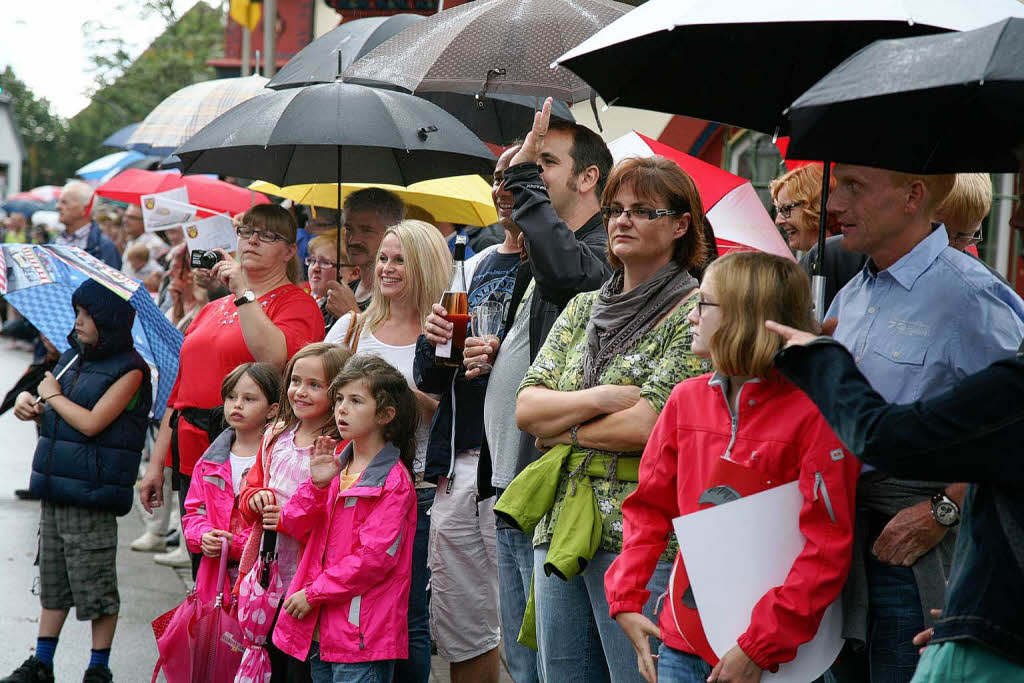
x=797 y=198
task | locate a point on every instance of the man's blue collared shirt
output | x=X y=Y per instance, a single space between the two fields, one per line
x=934 y=317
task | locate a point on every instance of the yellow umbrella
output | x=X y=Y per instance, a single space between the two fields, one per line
x=460 y=199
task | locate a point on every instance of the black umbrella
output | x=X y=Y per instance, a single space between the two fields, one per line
x=937 y=104
x=334 y=133
x=500 y=119
x=723 y=43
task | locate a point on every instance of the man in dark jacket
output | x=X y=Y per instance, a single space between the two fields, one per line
x=79 y=228
x=550 y=193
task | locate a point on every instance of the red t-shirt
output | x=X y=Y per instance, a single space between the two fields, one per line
x=214 y=346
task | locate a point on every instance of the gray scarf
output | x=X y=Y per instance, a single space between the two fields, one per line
x=619 y=320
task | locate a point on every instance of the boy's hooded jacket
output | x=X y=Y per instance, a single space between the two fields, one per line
x=98 y=471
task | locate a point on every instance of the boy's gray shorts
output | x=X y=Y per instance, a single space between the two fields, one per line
x=78 y=560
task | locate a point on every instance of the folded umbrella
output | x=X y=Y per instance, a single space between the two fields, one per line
x=259 y=595
x=500 y=119
x=937 y=104
x=462 y=199
x=731 y=204
x=185 y=111
x=209 y=193
x=39 y=281
x=490 y=46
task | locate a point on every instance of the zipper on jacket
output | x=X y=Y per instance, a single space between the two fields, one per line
x=735 y=418
x=819 y=485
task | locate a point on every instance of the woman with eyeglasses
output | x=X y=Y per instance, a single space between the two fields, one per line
x=322 y=268
x=265 y=317
x=592 y=397
x=797 y=198
x=739 y=431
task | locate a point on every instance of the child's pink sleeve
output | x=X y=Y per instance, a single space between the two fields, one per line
x=196 y=521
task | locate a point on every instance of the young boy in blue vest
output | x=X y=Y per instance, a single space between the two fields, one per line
x=92 y=429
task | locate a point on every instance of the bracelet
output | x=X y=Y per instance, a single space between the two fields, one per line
x=44 y=400
x=573 y=435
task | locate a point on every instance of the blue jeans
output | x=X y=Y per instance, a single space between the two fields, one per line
x=416 y=669
x=348 y=672
x=681 y=667
x=895 y=619
x=515 y=571
x=577 y=639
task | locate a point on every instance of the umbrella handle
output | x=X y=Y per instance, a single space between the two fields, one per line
x=222 y=573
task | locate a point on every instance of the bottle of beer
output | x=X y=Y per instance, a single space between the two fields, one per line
x=455 y=300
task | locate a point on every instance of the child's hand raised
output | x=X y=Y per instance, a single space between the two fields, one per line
x=323 y=465
x=271 y=517
x=297 y=605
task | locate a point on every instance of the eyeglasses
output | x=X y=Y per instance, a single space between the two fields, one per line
x=701 y=304
x=310 y=262
x=967 y=239
x=786 y=210
x=246 y=231
x=648 y=214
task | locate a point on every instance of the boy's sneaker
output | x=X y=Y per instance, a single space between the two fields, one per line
x=97 y=674
x=32 y=670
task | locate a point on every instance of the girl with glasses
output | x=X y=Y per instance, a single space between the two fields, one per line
x=739 y=431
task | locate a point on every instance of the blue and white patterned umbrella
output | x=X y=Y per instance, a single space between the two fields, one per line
x=108 y=165
x=39 y=281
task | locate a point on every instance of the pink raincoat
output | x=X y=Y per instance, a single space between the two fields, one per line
x=357 y=564
x=208 y=506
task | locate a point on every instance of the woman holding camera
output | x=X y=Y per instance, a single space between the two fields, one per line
x=265 y=317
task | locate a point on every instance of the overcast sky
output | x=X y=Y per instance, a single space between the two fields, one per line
x=42 y=41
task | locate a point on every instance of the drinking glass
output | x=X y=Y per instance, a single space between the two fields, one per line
x=486 y=322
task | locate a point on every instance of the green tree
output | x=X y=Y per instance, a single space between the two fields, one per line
x=43 y=132
x=126 y=90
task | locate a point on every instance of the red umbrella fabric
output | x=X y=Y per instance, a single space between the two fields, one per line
x=209 y=193
x=737 y=215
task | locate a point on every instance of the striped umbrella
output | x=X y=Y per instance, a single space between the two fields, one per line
x=731 y=204
x=184 y=112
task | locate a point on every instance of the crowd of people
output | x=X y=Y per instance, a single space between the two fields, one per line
x=518 y=508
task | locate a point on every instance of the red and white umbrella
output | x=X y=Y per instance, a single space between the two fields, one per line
x=46 y=193
x=737 y=215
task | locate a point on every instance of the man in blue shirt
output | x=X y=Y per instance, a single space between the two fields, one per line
x=918 y=318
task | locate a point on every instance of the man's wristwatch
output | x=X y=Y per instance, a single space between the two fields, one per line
x=944 y=510
x=248 y=296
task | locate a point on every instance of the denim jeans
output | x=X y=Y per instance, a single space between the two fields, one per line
x=577 y=639
x=895 y=619
x=515 y=571
x=416 y=669
x=681 y=667
x=345 y=672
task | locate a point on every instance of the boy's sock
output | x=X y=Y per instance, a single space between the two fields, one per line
x=45 y=647
x=100 y=658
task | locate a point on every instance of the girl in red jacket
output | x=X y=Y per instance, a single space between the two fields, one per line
x=742 y=430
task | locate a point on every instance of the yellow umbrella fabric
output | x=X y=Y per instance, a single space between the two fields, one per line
x=459 y=199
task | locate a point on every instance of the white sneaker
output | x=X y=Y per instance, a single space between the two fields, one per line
x=149 y=543
x=178 y=557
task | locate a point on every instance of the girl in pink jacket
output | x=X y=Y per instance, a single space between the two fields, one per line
x=211 y=512
x=356 y=515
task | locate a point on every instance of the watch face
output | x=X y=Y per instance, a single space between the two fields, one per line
x=945 y=513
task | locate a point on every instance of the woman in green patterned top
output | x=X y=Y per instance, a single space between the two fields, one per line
x=592 y=397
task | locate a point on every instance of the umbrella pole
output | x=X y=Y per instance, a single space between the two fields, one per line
x=818 y=279
x=337 y=244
